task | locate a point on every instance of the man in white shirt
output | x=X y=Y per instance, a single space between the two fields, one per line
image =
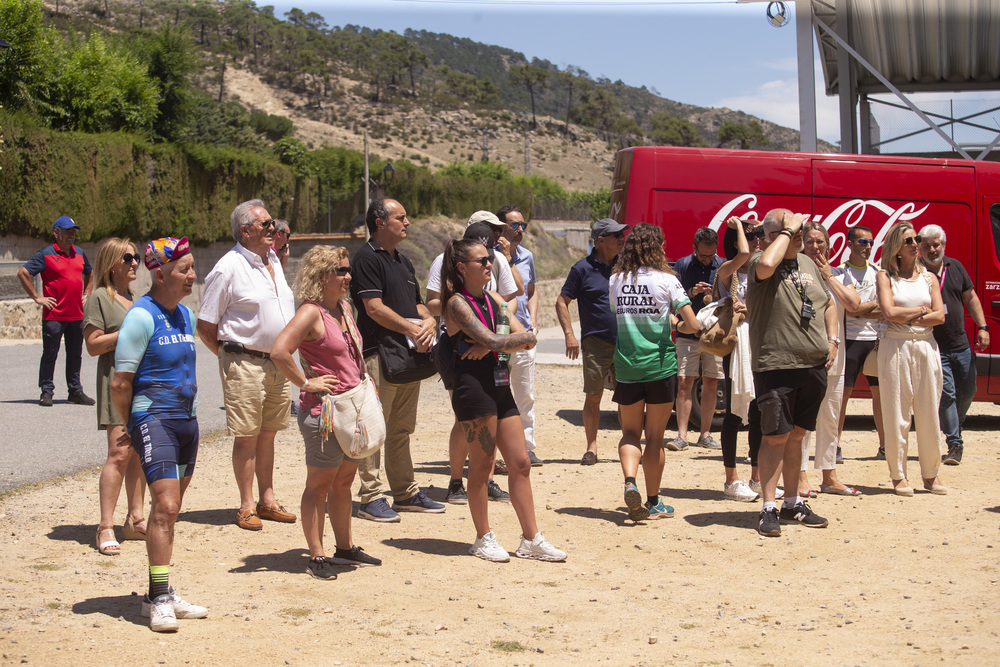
x=861 y=328
x=245 y=306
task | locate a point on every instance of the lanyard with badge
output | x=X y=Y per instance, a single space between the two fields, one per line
x=501 y=374
x=792 y=267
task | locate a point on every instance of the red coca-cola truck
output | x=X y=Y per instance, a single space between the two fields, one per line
x=682 y=189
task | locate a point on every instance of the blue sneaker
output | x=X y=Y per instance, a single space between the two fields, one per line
x=633 y=500
x=418 y=502
x=377 y=510
x=659 y=510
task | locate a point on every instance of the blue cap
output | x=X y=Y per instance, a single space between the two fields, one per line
x=65 y=222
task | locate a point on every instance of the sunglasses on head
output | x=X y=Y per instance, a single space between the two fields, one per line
x=864 y=241
x=342 y=270
x=518 y=225
x=128 y=258
x=910 y=240
x=482 y=261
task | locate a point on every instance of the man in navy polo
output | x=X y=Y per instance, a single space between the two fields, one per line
x=66 y=283
x=588 y=283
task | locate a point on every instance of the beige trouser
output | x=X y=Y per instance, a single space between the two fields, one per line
x=399 y=407
x=826 y=425
x=909 y=375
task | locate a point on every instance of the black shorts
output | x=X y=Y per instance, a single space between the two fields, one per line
x=857 y=351
x=476 y=395
x=168 y=448
x=655 y=392
x=790 y=397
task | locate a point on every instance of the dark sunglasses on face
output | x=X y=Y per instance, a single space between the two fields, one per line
x=342 y=270
x=482 y=261
x=864 y=241
x=128 y=258
x=758 y=234
x=910 y=240
x=266 y=224
x=614 y=235
x=518 y=225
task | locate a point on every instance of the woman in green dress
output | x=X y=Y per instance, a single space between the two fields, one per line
x=114 y=269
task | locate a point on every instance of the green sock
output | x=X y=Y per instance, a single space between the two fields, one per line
x=158 y=585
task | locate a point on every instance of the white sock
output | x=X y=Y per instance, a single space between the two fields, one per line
x=791 y=502
x=770 y=505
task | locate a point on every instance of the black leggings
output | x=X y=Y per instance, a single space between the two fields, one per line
x=731 y=424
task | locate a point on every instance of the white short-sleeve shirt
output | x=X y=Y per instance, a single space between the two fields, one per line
x=241 y=298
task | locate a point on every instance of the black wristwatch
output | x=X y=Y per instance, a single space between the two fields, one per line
x=985 y=327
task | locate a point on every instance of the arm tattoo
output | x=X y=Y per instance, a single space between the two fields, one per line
x=460 y=310
x=478 y=430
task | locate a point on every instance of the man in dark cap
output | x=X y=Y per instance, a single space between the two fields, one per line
x=588 y=283
x=66 y=283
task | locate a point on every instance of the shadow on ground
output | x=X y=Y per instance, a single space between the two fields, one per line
x=429 y=545
x=293 y=561
x=126 y=607
x=212 y=517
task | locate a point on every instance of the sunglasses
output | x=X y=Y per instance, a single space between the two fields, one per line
x=482 y=261
x=757 y=234
x=614 y=235
x=128 y=258
x=910 y=240
x=518 y=225
x=342 y=270
x=864 y=241
x=266 y=224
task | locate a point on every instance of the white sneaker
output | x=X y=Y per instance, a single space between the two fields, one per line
x=539 y=549
x=182 y=608
x=739 y=491
x=779 y=493
x=487 y=548
x=161 y=614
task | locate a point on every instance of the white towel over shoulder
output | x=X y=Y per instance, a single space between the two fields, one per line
x=741 y=374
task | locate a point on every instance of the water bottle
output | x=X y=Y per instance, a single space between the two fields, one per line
x=503 y=328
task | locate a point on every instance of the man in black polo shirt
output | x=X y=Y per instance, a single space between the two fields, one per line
x=385 y=292
x=958 y=361
x=587 y=282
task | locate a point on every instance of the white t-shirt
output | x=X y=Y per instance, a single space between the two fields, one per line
x=503 y=284
x=241 y=298
x=861 y=328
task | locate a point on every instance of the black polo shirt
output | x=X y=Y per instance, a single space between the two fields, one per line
x=377 y=274
x=951 y=336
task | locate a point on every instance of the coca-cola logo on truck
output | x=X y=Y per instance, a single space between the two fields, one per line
x=872 y=213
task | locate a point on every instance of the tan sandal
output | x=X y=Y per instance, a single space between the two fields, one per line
x=129 y=530
x=109 y=547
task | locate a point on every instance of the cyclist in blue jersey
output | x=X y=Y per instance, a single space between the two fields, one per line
x=155 y=390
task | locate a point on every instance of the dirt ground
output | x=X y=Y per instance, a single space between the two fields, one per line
x=891 y=581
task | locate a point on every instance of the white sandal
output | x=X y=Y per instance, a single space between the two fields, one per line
x=110 y=547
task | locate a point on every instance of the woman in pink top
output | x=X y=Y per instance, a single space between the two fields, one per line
x=329 y=345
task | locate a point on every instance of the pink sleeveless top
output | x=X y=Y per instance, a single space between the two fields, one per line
x=333 y=353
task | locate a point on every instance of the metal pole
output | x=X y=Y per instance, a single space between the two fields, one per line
x=329 y=219
x=807 y=76
x=367 y=187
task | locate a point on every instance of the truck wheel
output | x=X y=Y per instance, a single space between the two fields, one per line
x=720 y=407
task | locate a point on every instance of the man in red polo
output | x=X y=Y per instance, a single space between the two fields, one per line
x=66 y=282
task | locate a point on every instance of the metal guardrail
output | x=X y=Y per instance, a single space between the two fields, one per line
x=10 y=286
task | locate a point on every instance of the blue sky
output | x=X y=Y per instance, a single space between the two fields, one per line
x=714 y=53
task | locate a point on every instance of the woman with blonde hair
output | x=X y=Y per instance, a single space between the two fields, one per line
x=644 y=293
x=114 y=271
x=908 y=360
x=329 y=345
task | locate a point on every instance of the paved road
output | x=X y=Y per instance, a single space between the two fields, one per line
x=40 y=443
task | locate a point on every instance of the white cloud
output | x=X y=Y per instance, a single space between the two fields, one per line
x=778 y=102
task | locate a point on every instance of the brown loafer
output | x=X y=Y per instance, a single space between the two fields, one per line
x=589 y=459
x=276 y=513
x=248 y=520
x=499 y=467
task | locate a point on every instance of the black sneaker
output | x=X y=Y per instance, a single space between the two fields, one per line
x=954 y=456
x=494 y=492
x=880 y=456
x=803 y=515
x=80 y=398
x=353 y=556
x=320 y=567
x=769 y=526
x=456 y=493
x=45 y=400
